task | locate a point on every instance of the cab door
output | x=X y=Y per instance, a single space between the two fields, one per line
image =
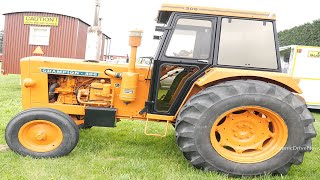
x=185 y=53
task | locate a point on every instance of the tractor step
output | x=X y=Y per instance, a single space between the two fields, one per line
x=154 y=134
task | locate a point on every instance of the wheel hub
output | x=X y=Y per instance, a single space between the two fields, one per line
x=249 y=134
x=41 y=136
x=242 y=130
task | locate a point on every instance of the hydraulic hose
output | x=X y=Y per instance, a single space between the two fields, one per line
x=52 y=88
x=113 y=74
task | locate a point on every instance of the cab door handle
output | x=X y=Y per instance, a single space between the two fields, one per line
x=201 y=60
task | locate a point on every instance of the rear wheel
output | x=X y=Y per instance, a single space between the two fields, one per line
x=245 y=127
x=42 y=132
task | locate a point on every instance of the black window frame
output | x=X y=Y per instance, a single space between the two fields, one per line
x=217 y=44
x=177 y=16
x=161 y=58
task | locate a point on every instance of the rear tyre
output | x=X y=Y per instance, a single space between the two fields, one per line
x=245 y=127
x=42 y=133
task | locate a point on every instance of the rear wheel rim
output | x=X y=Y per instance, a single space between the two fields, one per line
x=249 y=134
x=40 y=136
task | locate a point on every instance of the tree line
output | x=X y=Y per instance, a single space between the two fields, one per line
x=307 y=34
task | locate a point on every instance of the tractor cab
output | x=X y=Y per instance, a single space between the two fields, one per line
x=196 y=39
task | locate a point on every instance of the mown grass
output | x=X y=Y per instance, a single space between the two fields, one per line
x=116 y=153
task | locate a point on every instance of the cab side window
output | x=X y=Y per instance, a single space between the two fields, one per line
x=191 y=39
x=247 y=43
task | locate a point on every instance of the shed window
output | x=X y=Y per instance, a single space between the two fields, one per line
x=39 y=36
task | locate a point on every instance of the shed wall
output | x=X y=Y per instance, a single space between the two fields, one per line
x=67 y=40
x=81 y=41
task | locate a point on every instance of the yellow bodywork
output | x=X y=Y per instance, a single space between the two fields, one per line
x=35 y=86
x=217 y=11
x=218 y=74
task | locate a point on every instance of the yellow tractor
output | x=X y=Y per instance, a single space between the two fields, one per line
x=232 y=108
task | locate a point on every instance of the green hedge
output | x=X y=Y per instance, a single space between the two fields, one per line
x=307 y=34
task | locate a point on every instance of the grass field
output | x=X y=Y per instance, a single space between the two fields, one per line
x=119 y=153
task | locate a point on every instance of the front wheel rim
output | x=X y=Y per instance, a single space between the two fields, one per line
x=40 y=136
x=249 y=134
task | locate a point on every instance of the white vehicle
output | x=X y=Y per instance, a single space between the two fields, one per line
x=304 y=62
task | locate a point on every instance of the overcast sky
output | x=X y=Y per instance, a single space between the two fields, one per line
x=120 y=16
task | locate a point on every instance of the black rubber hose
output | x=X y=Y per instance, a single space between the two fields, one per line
x=52 y=89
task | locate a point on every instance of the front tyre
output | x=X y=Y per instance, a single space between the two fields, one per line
x=42 y=133
x=245 y=127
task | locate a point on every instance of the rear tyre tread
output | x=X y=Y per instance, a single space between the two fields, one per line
x=197 y=160
x=271 y=91
x=298 y=159
x=288 y=98
x=284 y=169
x=189 y=148
x=301 y=108
x=310 y=131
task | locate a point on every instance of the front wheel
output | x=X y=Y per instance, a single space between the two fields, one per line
x=245 y=127
x=42 y=133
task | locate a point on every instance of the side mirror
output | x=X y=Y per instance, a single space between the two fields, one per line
x=157 y=37
x=162 y=28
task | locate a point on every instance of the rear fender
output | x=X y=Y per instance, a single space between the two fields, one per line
x=217 y=75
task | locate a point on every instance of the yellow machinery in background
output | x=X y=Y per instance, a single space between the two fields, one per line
x=216 y=77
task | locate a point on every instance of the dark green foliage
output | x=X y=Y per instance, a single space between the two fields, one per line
x=307 y=34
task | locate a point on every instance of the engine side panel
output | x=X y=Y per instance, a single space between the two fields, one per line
x=100 y=89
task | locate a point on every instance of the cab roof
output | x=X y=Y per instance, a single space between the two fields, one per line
x=166 y=10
